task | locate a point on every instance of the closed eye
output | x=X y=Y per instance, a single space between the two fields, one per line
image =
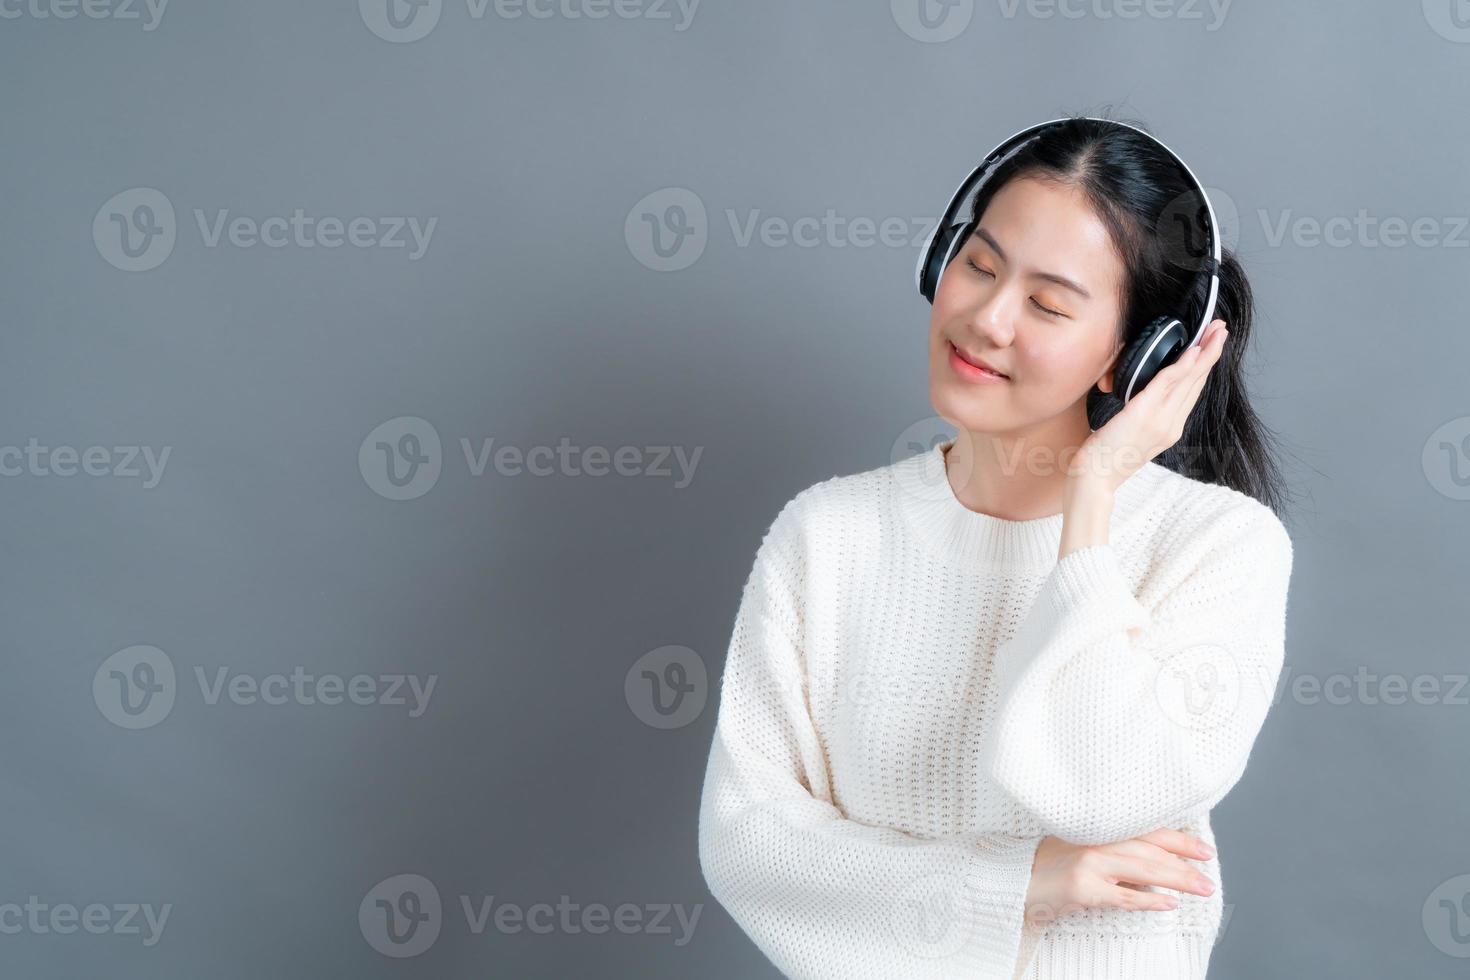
x=986 y=272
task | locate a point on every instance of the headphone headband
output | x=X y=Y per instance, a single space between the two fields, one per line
x=1211 y=264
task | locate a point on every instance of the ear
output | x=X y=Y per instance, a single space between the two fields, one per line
x=1105 y=383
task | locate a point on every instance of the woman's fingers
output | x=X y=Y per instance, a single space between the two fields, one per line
x=1167 y=872
x=1176 y=387
x=1140 y=850
x=1194 y=350
x=1161 y=857
x=1177 y=842
x=1195 y=368
x=1196 y=361
x=1136 y=900
x=1207 y=360
x=1129 y=874
x=1163 y=871
x=1186 y=391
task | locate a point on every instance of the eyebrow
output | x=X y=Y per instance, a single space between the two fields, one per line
x=985 y=236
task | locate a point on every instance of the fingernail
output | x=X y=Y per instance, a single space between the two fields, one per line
x=1207 y=850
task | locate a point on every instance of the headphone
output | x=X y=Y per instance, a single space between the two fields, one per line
x=1161 y=342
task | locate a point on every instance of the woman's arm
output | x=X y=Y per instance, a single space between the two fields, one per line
x=1115 y=719
x=819 y=894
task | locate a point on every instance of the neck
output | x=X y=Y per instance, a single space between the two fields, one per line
x=1018 y=475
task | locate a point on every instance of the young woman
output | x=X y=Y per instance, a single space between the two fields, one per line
x=974 y=727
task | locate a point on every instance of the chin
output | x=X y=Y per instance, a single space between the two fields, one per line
x=954 y=402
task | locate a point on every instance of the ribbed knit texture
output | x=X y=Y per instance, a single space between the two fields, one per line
x=915 y=694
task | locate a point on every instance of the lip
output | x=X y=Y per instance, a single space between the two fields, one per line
x=976 y=370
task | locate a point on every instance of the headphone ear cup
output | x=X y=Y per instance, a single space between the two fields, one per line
x=1156 y=346
x=941 y=253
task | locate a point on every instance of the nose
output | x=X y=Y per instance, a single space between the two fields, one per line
x=992 y=318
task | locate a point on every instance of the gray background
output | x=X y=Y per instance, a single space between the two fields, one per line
x=267 y=545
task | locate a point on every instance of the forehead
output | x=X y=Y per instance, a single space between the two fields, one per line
x=1048 y=226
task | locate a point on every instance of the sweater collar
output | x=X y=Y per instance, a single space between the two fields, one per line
x=952 y=531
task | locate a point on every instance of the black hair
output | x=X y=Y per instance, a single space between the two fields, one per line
x=1154 y=216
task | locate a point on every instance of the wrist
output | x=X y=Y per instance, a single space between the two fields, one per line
x=1087 y=510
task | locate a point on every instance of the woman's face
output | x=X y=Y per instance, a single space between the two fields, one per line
x=1035 y=294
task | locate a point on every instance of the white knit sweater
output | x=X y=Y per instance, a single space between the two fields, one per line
x=915 y=694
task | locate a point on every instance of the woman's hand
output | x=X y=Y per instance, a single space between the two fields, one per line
x=1152 y=421
x=1067 y=876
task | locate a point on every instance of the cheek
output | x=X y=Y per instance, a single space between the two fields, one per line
x=1057 y=359
x=946 y=304
x=941 y=314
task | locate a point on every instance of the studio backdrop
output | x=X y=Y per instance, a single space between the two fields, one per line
x=396 y=394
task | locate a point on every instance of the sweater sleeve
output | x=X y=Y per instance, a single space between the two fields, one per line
x=823 y=896
x=1115 y=719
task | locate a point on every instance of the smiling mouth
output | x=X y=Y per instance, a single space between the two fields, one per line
x=970 y=369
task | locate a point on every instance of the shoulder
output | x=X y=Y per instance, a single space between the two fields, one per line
x=836 y=509
x=1188 y=516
